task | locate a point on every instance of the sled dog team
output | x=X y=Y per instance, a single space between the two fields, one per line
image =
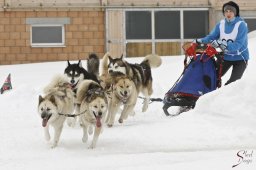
x=94 y=99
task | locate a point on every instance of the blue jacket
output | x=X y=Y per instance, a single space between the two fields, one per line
x=237 y=50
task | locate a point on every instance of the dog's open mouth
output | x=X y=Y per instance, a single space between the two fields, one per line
x=45 y=120
x=98 y=121
x=124 y=95
x=73 y=85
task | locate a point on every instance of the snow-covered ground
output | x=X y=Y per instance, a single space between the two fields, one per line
x=219 y=133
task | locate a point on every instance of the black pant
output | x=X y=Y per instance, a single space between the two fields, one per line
x=237 y=71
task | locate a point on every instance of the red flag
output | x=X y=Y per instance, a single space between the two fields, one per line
x=7 y=84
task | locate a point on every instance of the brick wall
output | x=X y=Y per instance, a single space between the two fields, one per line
x=84 y=35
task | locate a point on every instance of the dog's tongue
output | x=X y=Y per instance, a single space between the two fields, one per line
x=44 y=123
x=98 y=122
x=72 y=86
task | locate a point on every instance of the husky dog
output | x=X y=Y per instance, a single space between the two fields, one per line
x=93 y=109
x=139 y=73
x=124 y=93
x=75 y=74
x=57 y=103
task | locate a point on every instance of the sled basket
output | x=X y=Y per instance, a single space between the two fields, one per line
x=198 y=77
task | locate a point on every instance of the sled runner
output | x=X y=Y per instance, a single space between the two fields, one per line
x=201 y=75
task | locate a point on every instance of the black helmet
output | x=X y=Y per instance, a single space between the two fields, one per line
x=232 y=4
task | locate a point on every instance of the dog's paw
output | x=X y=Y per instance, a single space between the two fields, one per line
x=54 y=145
x=92 y=146
x=110 y=125
x=120 y=120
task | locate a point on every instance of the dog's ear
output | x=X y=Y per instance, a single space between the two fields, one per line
x=68 y=63
x=40 y=99
x=110 y=58
x=52 y=99
x=122 y=56
x=79 y=63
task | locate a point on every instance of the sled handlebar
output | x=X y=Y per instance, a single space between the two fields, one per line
x=195 y=48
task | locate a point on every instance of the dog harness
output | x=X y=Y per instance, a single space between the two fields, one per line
x=72 y=115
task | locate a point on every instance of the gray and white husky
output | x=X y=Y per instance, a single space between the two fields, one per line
x=139 y=73
x=53 y=107
x=93 y=109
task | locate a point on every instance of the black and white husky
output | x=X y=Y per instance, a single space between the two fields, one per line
x=75 y=72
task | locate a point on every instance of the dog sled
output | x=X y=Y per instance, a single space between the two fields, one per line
x=201 y=75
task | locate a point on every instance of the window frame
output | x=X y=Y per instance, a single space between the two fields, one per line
x=62 y=44
x=153 y=40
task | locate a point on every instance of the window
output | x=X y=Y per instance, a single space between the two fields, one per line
x=167 y=24
x=251 y=24
x=195 y=24
x=47 y=32
x=138 y=25
x=47 y=35
x=163 y=31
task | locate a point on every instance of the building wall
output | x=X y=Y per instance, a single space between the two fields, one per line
x=84 y=35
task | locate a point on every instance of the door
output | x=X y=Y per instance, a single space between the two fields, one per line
x=115 y=32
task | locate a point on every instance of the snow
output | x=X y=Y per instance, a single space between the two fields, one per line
x=208 y=137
